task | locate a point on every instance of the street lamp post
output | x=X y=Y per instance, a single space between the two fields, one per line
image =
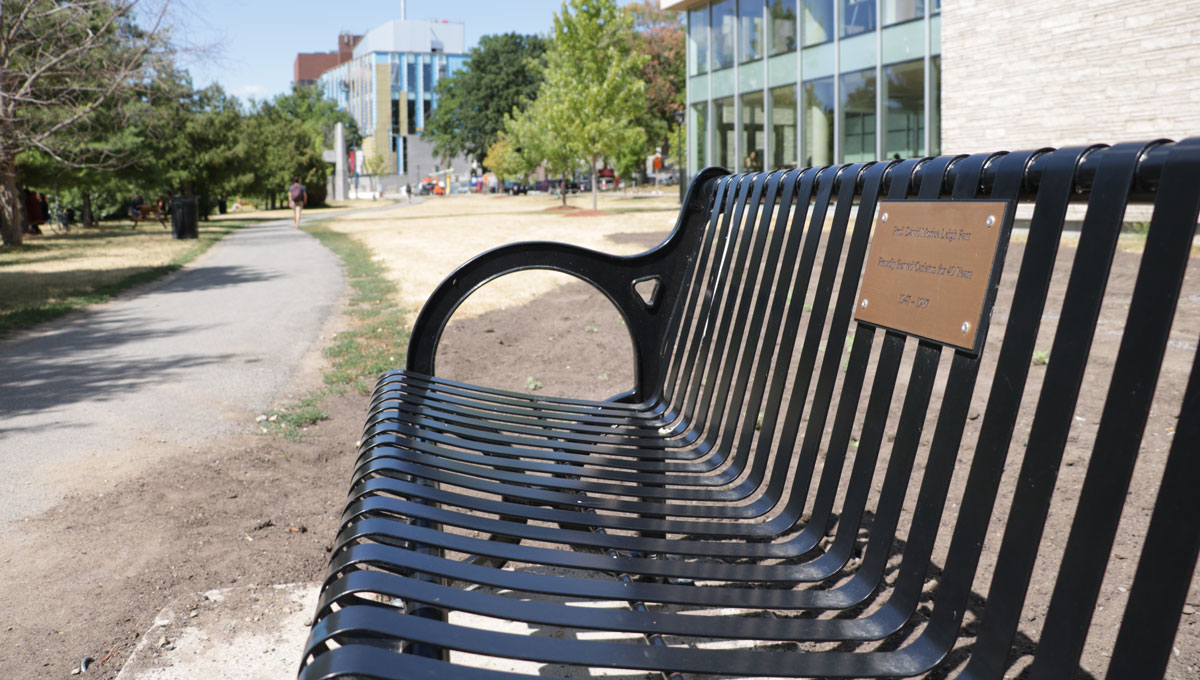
x=679 y=145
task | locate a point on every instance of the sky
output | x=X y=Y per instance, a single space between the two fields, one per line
x=248 y=46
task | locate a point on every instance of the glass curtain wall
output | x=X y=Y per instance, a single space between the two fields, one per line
x=697 y=48
x=781 y=29
x=750 y=24
x=898 y=11
x=783 y=127
x=699 y=135
x=817 y=105
x=754 y=127
x=904 y=109
x=858 y=16
x=723 y=140
x=724 y=23
x=816 y=21
x=858 y=116
x=935 y=106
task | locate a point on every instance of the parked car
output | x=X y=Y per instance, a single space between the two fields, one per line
x=569 y=186
x=514 y=188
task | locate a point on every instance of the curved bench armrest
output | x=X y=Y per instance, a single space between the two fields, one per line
x=615 y=276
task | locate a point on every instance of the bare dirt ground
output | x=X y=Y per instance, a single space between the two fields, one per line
x=88 y=577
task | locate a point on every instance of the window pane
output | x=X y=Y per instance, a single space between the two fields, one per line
x=754 y=125
x=697 y=41
x=410 y=82
x=699 y=133
x=905 y=110
x=426 y=75
x=783 y=25
x=818 y=122
x=783 y=127
x=935 y=106
x=896 y=11
x=816 y=21
x=723 y=133
x=750 y=20
x=858 y=16
x=858 y=116
x=723 y=25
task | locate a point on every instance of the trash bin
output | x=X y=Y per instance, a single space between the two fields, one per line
x=184 y=217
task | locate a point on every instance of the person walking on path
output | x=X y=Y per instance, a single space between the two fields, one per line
x=297 y=197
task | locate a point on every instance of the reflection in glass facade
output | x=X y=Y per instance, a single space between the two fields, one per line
x=817 y=105
x=899 y=11
x=858 y=16
x=724 y=22
x=750 y=35
x=858 y=116
x=781 y=26
x=776 y=83
x=723 y=133
x=935 y=107
x=904 y=109
x=816 y=21
x=783 y=127
x=697 y=49
x=754 y=127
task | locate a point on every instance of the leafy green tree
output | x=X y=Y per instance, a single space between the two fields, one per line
x=60 y=63
x=199 y=148
x=505 y=160
x=286 y=136
x=531 y=134
x=660 y=35
x=592 y=95
x=501 y=73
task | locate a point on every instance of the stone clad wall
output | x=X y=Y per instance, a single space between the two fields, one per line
x=1034 y=73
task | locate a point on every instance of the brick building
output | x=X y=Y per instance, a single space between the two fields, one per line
x=308 y=66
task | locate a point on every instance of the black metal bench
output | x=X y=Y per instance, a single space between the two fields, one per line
x=752 y=508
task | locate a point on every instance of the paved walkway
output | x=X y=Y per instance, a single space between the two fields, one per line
x=98 y=394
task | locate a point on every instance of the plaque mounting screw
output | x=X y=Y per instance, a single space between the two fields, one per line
x=966 y=327
x=883 y=217
x=991 y=220
x=864 y=303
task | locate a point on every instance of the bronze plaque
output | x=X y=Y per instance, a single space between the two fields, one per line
x=932 y=268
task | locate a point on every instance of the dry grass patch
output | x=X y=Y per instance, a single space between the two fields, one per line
x=419 y=245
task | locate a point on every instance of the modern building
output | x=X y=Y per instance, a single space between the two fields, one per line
x=778 y=83
x=387 y=87
x=309 y=66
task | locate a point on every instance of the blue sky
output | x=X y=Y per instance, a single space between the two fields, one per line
x=248 y=46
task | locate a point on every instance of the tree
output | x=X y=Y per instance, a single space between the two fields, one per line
x=530 y=133
x=592 y=94
x=660 y=36
x=60 y=63
x=501 y=73
x=287 y=135
x=506 y=160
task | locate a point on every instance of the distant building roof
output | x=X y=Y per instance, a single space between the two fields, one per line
x=309 y=66
x=414 y=36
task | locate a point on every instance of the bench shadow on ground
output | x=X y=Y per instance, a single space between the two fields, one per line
x=80 y=359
